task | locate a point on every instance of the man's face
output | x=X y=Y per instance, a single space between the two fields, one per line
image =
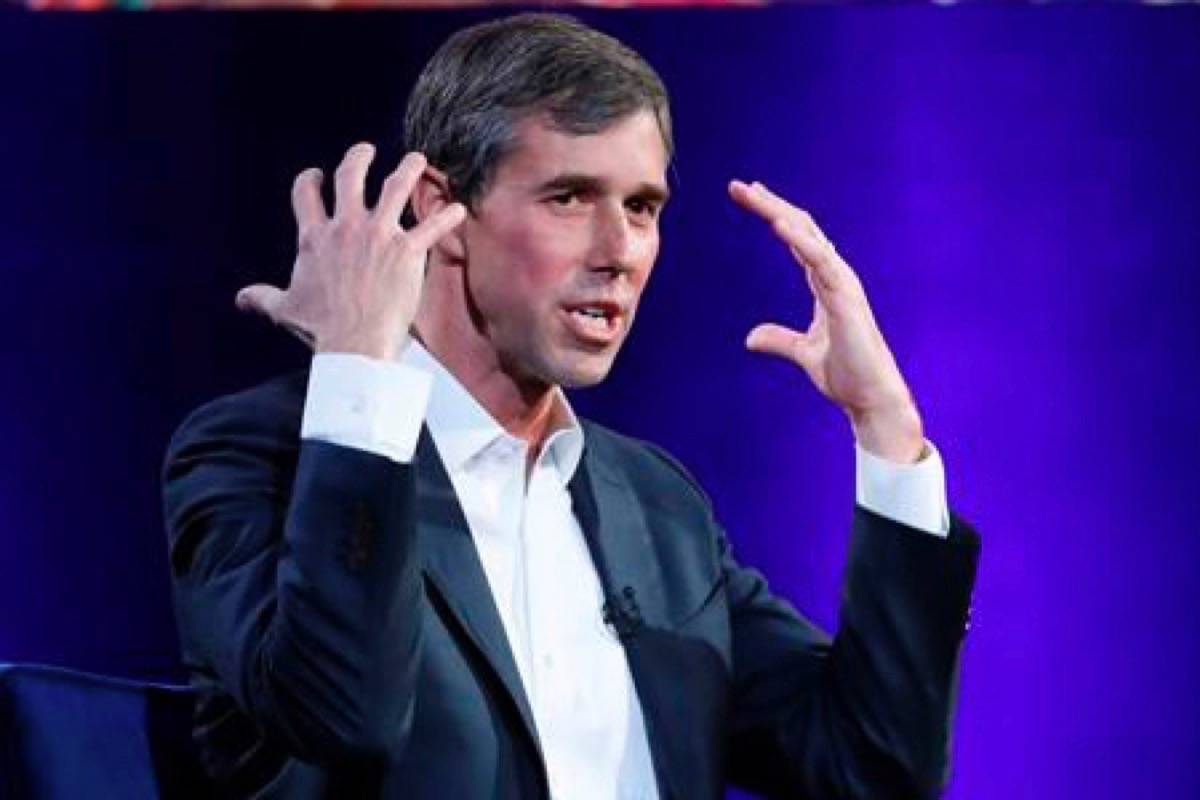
x=561 y=245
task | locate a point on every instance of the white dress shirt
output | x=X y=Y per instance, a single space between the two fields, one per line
x=544 y=584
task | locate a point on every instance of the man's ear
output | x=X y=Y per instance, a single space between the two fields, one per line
x=431 y=195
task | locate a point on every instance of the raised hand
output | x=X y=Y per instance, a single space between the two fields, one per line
x=357 y=279
x=842 y=351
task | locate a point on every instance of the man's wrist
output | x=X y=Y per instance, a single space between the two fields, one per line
x=381 y=347
x=894 y=434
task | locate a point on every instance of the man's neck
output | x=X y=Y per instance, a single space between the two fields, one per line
x=525 y=409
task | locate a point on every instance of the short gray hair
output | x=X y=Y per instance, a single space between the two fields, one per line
x=463 y=112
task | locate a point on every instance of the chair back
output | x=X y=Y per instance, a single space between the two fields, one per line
x=66 y=735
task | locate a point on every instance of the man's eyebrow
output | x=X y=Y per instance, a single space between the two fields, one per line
x=570 y=181
x=656 y=193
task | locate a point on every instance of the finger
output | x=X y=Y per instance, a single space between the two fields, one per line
x=307 y=204
x=779 y=207
x=261 y=298
x=398 y=187
x=781 y=341
x=758 y=199
x=300 y=334
x=818 y=258
x=429 y=232
x=832 y=269
x=819 y=300
x=743 y=194
x=349 y=179
x=795 y=226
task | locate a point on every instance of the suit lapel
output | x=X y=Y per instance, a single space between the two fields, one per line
x=453 y=567
x=614 y=524
x=618 y=536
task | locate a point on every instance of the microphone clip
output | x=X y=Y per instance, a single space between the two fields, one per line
x=621 y=613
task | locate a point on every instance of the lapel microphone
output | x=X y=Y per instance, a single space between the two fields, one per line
x=621 y=613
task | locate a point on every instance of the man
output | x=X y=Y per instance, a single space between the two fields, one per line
x=414 y=573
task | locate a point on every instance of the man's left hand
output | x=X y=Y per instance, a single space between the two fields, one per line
x=843 y=352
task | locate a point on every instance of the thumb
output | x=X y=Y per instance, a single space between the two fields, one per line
x=778 y=340
x=260 y=298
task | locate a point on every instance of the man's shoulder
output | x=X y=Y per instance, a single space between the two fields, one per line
x=644 y=466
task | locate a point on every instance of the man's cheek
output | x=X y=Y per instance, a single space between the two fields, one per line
x=649 y=256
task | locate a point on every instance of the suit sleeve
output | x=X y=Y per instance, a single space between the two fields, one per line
x=297 y=585
x=868 y=713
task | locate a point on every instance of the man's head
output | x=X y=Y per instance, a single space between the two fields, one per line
x=557 y=138
x=464 y=111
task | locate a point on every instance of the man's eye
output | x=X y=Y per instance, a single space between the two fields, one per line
x=565 y=198
x=642 y=208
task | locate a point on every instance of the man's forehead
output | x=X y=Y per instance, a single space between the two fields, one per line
x=629 y=150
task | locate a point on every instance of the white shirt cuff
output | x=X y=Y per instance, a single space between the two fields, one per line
x=912 y=494
x=365 y=403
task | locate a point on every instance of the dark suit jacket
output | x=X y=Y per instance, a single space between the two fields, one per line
x=337 y=621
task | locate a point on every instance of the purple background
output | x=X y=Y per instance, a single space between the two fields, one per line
x=1019 y=188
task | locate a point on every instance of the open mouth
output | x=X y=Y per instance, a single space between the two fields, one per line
x=596 y=323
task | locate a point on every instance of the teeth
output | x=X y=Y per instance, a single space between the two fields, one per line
x=593 y=318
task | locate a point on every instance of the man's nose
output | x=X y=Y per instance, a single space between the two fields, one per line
x=612 y=241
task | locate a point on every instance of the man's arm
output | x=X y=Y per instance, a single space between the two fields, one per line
x=296 y=580
x=868 y=714
x=301 y=596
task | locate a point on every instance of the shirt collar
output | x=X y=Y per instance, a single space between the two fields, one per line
x=462 y=429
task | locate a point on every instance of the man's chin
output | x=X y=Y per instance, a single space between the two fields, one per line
x=584 y=371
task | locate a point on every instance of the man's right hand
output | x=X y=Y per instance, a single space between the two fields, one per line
x=356 y=283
